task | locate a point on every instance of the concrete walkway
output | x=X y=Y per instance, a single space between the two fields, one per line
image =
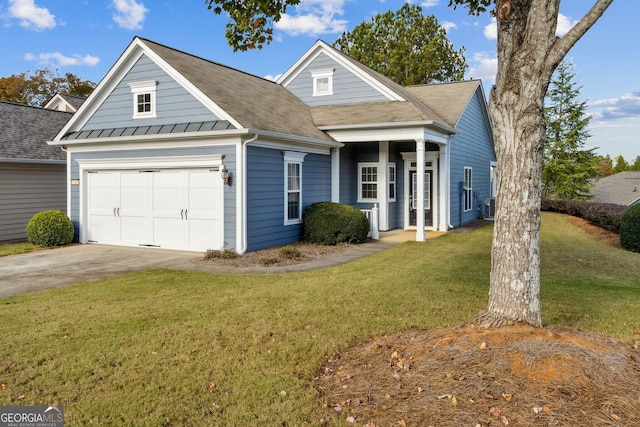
x=52 y=268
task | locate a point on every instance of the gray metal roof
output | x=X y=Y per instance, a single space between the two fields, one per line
x=622 y=188
x=151 y=130
x=25 y=130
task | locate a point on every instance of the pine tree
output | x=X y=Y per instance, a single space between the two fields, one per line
x=567 y=167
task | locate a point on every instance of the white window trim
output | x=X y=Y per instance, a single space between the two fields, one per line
x=362 y=165
x=292 y=157
x=393 y=178
x=321 y=74
x=468 y=190
x=141 y=88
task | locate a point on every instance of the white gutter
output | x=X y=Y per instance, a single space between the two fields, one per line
x=243 y=187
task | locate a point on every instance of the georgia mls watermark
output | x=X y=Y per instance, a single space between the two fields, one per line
x=31 y=416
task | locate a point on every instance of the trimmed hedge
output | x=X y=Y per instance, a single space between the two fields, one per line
x=50 y=228
x=630 y=229
x=605 y=215
x=328 y=223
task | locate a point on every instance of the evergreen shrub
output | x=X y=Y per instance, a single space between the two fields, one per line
x=50 y=228
x=630 y=229
x=328 y=223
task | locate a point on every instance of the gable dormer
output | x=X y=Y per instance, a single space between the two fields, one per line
x=325 y=76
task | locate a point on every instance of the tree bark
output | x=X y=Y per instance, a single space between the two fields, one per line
x=528 y=54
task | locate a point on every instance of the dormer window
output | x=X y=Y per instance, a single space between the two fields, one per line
x=322 y=82
x=144 y=99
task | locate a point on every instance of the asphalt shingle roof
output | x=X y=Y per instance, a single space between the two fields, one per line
x=622 y=188
x=25 y=130
x=254 y=102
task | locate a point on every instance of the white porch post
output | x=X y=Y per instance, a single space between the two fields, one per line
x=335 y=175
x=420 y=170
x=383 y=184
x=443 y=193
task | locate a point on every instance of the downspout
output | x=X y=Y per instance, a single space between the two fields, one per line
x=243 y=210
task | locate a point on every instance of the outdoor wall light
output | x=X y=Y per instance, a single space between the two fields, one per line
x=225 y=175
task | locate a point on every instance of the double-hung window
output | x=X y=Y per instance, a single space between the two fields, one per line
x=468 y=188
x=293 y=187
x=144 y=99
x=367 y=182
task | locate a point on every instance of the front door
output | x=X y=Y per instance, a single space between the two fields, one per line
x=428 y=200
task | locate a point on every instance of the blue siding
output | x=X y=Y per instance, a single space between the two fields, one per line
x=173 y=103
x=229 y=161
x=265 y=195
x=472 y=147
x=347 y=88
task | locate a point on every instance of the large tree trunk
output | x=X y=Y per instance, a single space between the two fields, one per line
x=528 y=53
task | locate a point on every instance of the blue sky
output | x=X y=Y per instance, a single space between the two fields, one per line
x=86 y=37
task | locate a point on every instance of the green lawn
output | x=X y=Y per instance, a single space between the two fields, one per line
x=166 y=347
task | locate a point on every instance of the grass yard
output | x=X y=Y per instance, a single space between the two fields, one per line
x=16 y=248
x=164 y=347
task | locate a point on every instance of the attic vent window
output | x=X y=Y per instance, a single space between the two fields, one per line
x=322 y=82
x=144 y=99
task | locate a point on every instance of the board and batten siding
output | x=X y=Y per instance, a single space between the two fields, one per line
x=173 y=103
x=25 y=190
x=265 y=195
x=347 y=87
x=471 y=147
x=229 y=152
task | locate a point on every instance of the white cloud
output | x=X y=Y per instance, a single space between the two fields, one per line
x=628 y=105
x=272 y=77
x=314 y=17
x=447 y=25
x=129 y=14
x=429 y=3
x=485 y=67
x=491 y=30
x=564 y=25
x=58 y=59
x=31 y=16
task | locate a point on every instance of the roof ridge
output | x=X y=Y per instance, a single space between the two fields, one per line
x=35 y=107
x=205 y=59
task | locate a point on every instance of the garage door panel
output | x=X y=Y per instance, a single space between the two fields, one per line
x=176 y=209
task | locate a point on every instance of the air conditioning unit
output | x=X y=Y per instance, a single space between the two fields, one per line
x=490 y=207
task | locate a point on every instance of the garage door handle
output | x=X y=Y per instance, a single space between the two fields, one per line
x=114 y=212
x=185 y=214
x=181 y=213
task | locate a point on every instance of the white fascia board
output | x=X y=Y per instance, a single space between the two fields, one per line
x=321 y=47
x=408 y=132
x=103 y=90
x=393 y=125
x=182 y=140
x=291 y=142
x=117 y=72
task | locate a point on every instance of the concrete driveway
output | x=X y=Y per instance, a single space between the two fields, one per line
x=51 y=268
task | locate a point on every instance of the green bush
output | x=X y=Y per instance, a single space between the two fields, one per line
x=50 y=228
x=328 y=223
x=605 y=215
x=630 y=229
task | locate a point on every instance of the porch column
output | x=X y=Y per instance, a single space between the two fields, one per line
x=335 y=175
x=383 y=184
x=444 y=184
x=420 y=170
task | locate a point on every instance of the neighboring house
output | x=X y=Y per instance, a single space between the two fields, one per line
x=32 y=173
x=64 y=102
x=622 y=188
x=175 y=151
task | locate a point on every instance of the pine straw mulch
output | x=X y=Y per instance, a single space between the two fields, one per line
x=469 y=376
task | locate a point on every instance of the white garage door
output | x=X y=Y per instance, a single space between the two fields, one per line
x=167 y=208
